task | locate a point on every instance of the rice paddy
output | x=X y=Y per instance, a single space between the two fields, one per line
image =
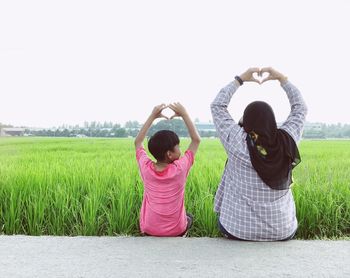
x=74 y=186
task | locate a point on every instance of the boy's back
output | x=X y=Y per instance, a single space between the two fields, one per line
x=163 y=211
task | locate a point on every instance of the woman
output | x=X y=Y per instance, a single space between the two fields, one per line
x=254 y=200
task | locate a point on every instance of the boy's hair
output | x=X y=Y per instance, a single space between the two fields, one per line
x=161 y=142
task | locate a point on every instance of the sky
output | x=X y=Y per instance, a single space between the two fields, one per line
x=66 y=62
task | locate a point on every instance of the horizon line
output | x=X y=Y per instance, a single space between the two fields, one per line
x=122 y=125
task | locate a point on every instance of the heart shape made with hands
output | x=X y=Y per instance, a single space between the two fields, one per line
x=168 y=113
x=260 y=76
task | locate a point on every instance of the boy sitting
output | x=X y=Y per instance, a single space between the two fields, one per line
x=163 y=211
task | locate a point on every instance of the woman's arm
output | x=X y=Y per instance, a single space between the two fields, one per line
x=226 y=128
x=295 y=122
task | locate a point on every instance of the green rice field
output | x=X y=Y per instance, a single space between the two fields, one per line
x=74 y=186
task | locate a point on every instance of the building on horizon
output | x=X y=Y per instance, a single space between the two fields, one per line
x=11 y=131
x=205 y=126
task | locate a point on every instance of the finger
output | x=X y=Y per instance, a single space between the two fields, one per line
x=252 y=70
x=163 y=116
x=263 y=70
x=176 y=115
x=173 y=107
x=160 y=107
x=254 y=76
x=267 y=69
x=266 y=79
x=163 y=107
x=255 y=80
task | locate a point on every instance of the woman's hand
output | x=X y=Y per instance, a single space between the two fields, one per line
x=273 y=75
x=248 y=75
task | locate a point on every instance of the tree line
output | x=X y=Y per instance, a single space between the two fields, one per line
x=131 y=128
x=109 y=129
x=327 y=131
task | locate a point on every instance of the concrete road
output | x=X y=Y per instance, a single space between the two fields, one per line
x=47 y=256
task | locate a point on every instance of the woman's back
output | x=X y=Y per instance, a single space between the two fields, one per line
x=248 y=207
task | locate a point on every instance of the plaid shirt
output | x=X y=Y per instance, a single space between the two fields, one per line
x=247 y=207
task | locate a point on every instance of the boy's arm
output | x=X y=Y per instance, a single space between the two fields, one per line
x=195 y=138
x=156 y=113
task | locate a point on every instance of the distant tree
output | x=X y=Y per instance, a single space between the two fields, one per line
x=109 y=129
x=65 y=133
x=115 y=126
x=176 y=125
x=346 y=131
x=120 y=132
x=132 y=124
x=93 y=124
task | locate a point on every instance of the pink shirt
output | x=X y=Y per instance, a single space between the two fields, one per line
x=163 y=212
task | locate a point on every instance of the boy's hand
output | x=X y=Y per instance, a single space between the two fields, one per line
x=195 y=137
x=179 y=110
x=157 y=111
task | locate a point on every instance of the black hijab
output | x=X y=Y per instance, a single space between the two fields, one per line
x=273 y=151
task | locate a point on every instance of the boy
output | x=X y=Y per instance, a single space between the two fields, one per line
x=163 y=211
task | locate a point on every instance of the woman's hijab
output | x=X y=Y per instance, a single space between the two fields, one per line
x=273 y=152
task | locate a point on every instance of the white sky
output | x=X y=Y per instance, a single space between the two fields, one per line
x=75 y=61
